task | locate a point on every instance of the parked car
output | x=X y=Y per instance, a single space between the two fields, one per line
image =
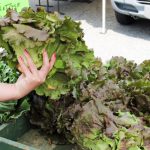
x=127 y=11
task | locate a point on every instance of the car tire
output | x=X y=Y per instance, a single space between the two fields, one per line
x=124 y=19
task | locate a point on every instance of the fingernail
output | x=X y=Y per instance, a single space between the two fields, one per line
x=54 y=55
x=20 y=58
x=26 y=51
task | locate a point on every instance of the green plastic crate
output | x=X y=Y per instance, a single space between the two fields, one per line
x=11 y=132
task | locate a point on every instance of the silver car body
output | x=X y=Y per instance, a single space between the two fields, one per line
x=137 y=8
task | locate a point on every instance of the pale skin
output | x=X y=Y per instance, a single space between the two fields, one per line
x=30 y=78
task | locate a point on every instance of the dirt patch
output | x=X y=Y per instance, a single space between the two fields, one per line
x=35 y=139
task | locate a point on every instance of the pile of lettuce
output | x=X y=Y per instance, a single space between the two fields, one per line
x=110 y=113
x=96 y=106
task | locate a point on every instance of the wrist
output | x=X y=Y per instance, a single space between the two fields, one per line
x=17 y=92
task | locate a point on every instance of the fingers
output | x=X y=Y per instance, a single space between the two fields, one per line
x=24 y=68
x=45 y=58
x=52 y=61
x=47 y=66
x=31 y=65
x=31 y=68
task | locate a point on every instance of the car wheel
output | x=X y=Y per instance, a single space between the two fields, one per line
x=124 y=19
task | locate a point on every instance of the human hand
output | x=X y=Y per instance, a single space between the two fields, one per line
x=32 y=77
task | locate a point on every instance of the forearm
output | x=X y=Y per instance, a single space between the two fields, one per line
x=8 y=92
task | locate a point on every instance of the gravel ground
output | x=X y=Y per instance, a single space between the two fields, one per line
x=131 y=42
